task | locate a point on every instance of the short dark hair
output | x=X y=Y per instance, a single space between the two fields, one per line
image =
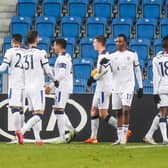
x=17 y=38
x=123 y=36
x=165 y=42
x=101 y=39
x=61 y=42
x=31 y=37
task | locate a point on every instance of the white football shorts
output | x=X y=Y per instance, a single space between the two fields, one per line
x=163 y=100
x=121 y=99
x=101 y=100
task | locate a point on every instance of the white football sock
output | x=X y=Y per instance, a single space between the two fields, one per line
x=61 y=124
x=163 y=129
x=154 y=127
x=94 y=127
x=36 y=131
x=112 y=121
x=22 y=120
x=30 y=123
x=119 y=132
x=124 y=134
x=17 y=120
x=68 y=124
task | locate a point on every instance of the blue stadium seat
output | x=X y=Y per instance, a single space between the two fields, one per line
x=7 y=43
x=78 y=7
x=86 y=48
x=147 y=87
x=149 y=69
x=44 y=43
x=157 y=45
x=82 y=68
x=141 y=46
x=110 y=44
x=71 y=43
x=103 y=5
x=152 y=8
x=70 y=26
x=79 y=85
x=95 y=26
x=27 y=7
x=121 y=25
x=146 y=28
x=20 y=25
x=51 y=61
x=52 y=7
x=163 y=27
x=45 y=26
x=124 y=5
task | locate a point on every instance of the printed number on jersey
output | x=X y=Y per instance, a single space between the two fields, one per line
x=164 y=68
x=28 y=61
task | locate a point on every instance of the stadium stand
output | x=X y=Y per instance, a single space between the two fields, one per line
x=78 y=21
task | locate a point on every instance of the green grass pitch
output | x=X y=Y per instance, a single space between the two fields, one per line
x=78 y=155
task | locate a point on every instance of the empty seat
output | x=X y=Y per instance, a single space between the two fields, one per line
x=157 y=45
x=86 y=48
x=141 y=46
x=70 y=26
x=152 y=8
x=147 y=86
x=82 y=68
x=110 y=44
x=45 y=25
x=78 y=7
x=121 y=25
x=7 y=43
x=95 y=26
x=128 y=8
x=163 y=27
x=149 y=69
x=103 y=8
x=51 y=61
x=146 y=28
x=20 y=25
x=79 y=85
x=52 y=7
x=27 y=7
x=44 y=43
x=71 y=43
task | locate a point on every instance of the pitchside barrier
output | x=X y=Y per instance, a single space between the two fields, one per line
x=78 y=107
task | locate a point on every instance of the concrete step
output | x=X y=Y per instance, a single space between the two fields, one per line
x=8 y=2
x=7 y=14
x=8 y=8
x=4 y=26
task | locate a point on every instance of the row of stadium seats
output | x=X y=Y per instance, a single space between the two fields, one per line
x=141 y=46
x=149 y=8
x=72 y=26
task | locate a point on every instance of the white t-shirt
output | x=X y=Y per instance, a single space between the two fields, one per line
x=63 y=72
x=34 y=61
x=123 y=64
x=160 y=73
x=104 y=84
x=13 y=58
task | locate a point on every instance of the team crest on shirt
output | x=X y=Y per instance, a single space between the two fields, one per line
x=128 y=58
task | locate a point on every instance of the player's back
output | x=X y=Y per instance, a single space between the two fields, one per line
x=33 y=62
x=13 y=57
x=161 y=63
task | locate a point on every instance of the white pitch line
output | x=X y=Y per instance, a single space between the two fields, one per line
x=145 y=146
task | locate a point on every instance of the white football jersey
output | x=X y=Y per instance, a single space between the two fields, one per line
x=63 y=72
x=123 y=64
x=34 y=61
x=160 y=73
x=104 y=84
x=13 y=57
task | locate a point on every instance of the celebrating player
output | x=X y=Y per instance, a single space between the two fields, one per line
x=12 y=59
x=35 y=63
x=123 y=62
x=160 y=88
x=64 y=87
x=100 y=104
